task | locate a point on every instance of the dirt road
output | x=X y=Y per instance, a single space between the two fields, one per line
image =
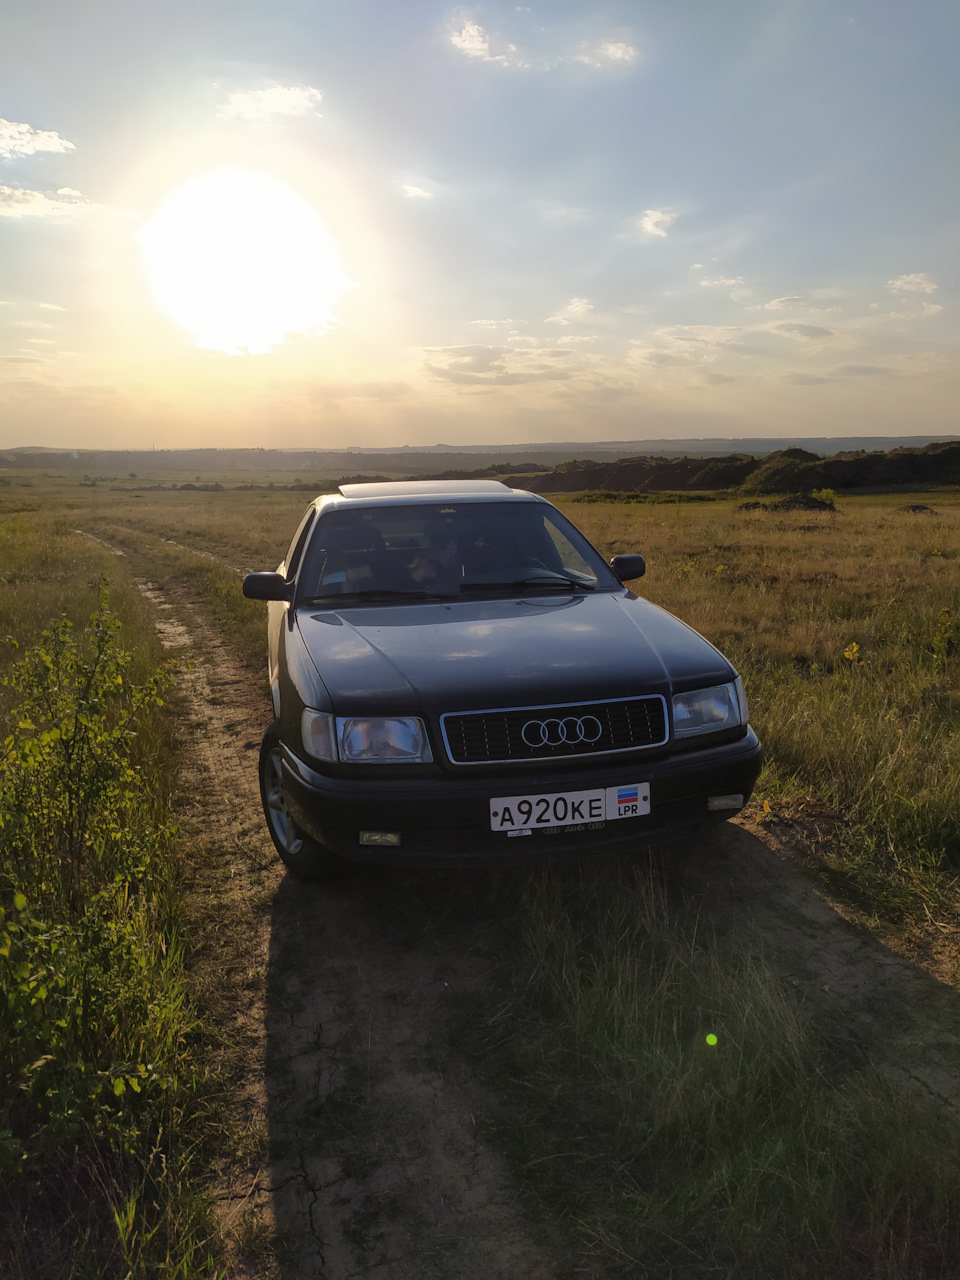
x=341 y=1014
x=341 y=1003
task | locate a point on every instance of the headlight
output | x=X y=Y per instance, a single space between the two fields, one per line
x=364 y=740
x=383 y=741
x=724 y=706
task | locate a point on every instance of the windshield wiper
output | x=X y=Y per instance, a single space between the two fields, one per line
x=555 y=580
x=378 y=593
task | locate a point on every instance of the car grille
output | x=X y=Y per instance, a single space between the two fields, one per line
x=546 y=733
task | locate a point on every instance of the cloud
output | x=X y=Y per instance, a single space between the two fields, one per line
x=274 y=102
x=415 y=193
x=472 y=40
x=610 y=52
x=917 y=283
x=806 y=379
x=575 y=310
x=496 y=366
x=721 y=282
x=22 y=140
x=803 y=331
x=476 y=359
x=476 y=42
x=618 y=51
x=656 y=222
x=705 y=335
x=816 y=300
x=685 y=345
x=18 y=202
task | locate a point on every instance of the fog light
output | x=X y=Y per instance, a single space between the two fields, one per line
x=380 y=837
x=724 y=802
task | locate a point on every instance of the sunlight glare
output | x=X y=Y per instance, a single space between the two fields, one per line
x=241 y=261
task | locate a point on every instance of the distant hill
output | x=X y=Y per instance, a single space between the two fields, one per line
x=785 y=471
x=440 y=459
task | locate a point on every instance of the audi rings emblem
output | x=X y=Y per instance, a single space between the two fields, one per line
x=561 y=733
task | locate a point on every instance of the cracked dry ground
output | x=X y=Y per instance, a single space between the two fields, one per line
x=342 y=1010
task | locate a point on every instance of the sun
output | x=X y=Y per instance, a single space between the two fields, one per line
x=241 y=261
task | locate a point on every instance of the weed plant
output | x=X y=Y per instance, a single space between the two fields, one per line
x=97 y=1071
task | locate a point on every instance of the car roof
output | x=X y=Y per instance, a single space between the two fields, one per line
x=404 y=492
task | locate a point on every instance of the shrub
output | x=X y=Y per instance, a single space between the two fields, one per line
x=95 y=1021
x=72 y=805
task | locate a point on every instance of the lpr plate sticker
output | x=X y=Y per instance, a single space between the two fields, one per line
x=631 y=801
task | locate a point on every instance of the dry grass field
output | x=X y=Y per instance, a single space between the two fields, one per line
x=780 y=1159
x=845 y=626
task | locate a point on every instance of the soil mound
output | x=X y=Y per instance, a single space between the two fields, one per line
x=788 y=471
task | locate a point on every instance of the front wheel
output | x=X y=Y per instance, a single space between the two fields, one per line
x=303 y=856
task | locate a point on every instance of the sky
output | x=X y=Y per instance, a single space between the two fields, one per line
x=324 y=223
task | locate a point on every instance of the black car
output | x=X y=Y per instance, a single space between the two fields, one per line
x=459 y=678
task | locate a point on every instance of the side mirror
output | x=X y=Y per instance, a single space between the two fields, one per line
x=627 y=567
x=267 y=586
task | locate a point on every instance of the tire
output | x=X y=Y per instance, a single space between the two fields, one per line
x=304 y=857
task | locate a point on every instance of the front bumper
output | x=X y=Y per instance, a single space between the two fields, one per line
x=445 y=821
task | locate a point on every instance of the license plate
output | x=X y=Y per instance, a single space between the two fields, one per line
x=569 y=808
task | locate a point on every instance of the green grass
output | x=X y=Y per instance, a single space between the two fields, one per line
x=760 y=1155
x=100 y=1083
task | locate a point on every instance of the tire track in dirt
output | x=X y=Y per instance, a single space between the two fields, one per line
x=339 y=1002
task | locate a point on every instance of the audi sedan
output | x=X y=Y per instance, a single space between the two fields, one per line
x=459 y=678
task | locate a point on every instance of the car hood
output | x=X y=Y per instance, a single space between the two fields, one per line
x=465 y=655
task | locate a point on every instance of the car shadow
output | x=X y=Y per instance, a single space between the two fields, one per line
x=376 y=1160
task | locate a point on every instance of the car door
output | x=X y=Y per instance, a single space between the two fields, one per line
x=277 y=609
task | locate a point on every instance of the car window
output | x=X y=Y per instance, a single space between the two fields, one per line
x=295 y=550
x=447 y=549
x=571 y=559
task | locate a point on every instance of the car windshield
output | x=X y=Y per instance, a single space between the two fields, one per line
x=444 y=550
